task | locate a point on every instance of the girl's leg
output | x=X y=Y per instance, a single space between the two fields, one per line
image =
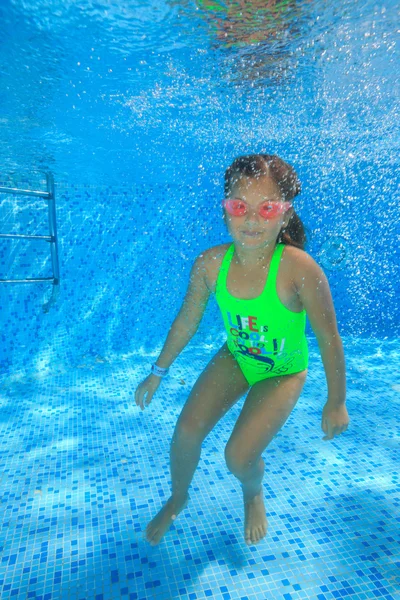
x=266 y=408
x=217 y=389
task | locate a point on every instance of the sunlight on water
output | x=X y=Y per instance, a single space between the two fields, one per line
x=80 y=91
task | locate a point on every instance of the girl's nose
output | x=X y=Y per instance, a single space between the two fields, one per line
x=252 y=214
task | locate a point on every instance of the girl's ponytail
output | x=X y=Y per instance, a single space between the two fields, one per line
x=294 y=233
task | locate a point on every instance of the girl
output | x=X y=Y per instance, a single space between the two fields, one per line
x=265 y=285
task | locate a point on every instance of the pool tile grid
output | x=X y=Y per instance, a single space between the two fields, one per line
x=84 y=471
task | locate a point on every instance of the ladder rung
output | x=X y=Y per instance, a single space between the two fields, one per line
x=16 y=191
x=28 y=280
x=48 y=238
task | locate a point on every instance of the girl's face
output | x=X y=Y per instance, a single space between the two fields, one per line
x=252 y=229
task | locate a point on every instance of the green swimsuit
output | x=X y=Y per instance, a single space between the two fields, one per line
x=266 y=338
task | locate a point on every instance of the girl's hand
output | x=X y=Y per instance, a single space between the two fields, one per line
x=148 y=386
x=335 y=420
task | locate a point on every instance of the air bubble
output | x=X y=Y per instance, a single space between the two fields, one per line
x=333 y=253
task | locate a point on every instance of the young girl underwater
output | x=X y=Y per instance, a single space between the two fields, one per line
x=265 y=285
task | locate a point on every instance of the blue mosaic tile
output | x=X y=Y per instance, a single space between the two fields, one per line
x=84 y=470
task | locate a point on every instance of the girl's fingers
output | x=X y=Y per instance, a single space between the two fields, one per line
x=139 y=398
x=143 y=396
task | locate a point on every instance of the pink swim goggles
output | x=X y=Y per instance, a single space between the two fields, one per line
x=267 y=210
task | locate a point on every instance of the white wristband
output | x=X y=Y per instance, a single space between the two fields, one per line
x=159 y=371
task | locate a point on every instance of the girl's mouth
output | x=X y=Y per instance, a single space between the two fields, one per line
x=252 y=233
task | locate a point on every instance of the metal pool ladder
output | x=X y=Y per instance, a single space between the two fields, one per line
x=49 y=195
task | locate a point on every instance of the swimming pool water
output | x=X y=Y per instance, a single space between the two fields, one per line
x=137 y=109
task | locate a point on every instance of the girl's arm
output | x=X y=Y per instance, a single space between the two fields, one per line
x=315 y=295
x=189 y=316
x=313 y=290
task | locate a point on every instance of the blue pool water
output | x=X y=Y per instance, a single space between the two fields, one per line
x=137 y=109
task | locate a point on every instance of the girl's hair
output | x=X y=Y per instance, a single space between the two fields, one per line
x=259 y=165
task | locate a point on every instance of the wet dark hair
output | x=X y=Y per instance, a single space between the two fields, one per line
x=270 y=165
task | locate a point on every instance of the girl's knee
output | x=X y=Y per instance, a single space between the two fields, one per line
x=189 y=430
x=235 y=460
x=239 y=463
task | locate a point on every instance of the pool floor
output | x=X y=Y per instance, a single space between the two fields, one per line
x=84 y=470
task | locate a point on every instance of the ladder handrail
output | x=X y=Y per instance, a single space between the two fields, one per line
x=52 y=238
x=53 y=226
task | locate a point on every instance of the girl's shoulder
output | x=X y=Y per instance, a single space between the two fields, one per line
x=302 y=266
x=212 y=260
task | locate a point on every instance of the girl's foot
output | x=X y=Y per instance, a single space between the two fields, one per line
x=163 y=519
x=255 y=520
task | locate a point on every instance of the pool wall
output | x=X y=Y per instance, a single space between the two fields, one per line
x=125 y=255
